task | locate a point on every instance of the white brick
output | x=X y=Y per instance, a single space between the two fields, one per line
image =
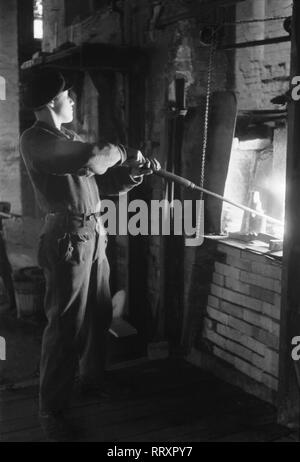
x=242 y=365
x=239 y=325
x=277 y=301
x=259 y=293
x=215 y=338
x=230 y=308
x=258 y=361
x=255 y=374
x=278 y=286
x=261 y=281
x=229 y=333
x=213 y=301
x=223 y=355
x=275 y=328
x=270 y=271
x=271 y=310
x=249 y=370
x=252 y=256
x=233 y=347
x=229 y=250
x=239 y=263
x=227 y=270
x=270 y=382
x=271 y=362
x=238 y=286
x=241 y=338
x=217 y=291
x=261 y=321
x=241 y=300
x=218 y=279
x=249 y=277
x=254 y=345
x=257 y=332
x=239 y=350
x=265 y=337
x=208 y=324
x=217 y=315
x=252 y=318
x=239 y=364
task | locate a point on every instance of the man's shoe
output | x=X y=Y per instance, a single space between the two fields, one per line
x=56 y=428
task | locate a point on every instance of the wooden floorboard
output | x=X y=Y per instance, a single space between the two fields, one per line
x=163 y=401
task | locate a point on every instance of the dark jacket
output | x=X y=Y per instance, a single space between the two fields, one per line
x=58 y=163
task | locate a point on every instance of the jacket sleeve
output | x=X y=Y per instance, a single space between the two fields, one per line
x=116 y=181
x=60 y=156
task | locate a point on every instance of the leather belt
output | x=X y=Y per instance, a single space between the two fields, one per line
x=80 y=216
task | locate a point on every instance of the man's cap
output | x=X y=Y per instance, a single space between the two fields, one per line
x=43 y=85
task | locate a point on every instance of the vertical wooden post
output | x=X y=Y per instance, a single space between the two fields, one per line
x=26 y=47
x=138 y=245
x=288 y=393
x=174 y=244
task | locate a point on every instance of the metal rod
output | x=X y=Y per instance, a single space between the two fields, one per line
x=188 y=184
x=256 y=43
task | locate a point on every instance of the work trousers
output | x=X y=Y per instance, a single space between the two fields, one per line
x=77 y=305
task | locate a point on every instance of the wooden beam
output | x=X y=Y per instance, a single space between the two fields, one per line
x=93 y=56
x=288 y=393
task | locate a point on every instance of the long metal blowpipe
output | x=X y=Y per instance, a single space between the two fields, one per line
x=188 y=184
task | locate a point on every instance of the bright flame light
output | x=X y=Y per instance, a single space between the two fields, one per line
x=278 y=187
x=38 y=29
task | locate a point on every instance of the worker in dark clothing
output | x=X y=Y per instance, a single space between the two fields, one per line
x=69 y=176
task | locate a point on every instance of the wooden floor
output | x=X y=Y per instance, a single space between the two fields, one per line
x=167 y=401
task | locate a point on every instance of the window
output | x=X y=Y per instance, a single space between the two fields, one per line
x=78 y=10
x=38 y=19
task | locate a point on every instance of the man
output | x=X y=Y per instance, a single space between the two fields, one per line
x=68 y=176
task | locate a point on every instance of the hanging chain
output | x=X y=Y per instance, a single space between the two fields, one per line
x=207 y=108
x=206 y=120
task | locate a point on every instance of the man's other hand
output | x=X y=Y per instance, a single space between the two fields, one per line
x=104 y=158
x=144 y=167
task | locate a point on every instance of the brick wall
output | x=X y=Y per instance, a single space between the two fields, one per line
x=9 y=108
x=104 y=26
x=241 y=321
x=261 y=72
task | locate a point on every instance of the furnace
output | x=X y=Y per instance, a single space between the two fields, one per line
x=256 y=173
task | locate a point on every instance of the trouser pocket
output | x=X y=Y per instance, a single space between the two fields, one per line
x=74 y=247
x=58 y=246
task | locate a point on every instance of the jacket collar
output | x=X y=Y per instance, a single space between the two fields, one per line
x=50 y=128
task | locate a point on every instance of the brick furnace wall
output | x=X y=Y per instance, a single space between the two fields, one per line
x=242 y=315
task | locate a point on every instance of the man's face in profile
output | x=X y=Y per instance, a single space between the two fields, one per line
x=63 y=107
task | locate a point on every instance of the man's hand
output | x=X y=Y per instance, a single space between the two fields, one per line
x=134 y=154
x=104 y=158
x=154 y=164
x=144 y=167
x=85 y=171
